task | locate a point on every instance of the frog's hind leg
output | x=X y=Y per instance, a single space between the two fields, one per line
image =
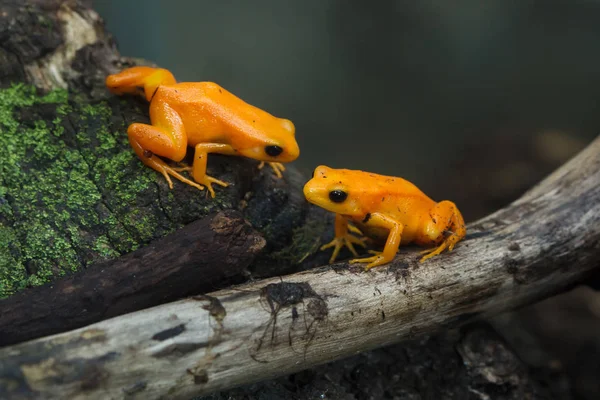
x=166 y=137
x=139 y=80
x=446 y=218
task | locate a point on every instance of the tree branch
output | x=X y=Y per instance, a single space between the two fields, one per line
x=207 y=254
x=541 y=243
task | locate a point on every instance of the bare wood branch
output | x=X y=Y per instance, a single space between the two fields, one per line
x=176 y=266
x=543 y=242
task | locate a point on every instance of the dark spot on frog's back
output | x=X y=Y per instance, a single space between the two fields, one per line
x=367 y=218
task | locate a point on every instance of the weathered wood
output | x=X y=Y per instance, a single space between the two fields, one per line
x=541 y=243
x=207 y=254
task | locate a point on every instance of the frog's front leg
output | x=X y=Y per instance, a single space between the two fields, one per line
x=445 y=217
x=201 y=157
x=343 y=238
x=166 y=137
x=278 y=168
x=391 y=245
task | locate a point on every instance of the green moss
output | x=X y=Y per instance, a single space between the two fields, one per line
x=72 y=192
x=104 y=248
x=305 y=241
x=68 y=196
x=13 y=275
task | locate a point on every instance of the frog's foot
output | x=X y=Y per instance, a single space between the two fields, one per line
x=159 y=165
x=182 y=168
x=347 y=240
x=166 y=171
x=449 y=244
x=208 y=181
x=278 y=168
x=374 y=261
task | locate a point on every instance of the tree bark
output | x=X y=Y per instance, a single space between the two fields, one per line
x=73 y=195
x=543 y=242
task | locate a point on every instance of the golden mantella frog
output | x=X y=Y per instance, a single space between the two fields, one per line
x=205 y=116
x=385 y=208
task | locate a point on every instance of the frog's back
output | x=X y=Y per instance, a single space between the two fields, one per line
x=394 y=197
x=195 y=93
x=375 y=184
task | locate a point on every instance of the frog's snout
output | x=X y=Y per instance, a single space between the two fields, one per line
x=293 y=150
x=309 y=191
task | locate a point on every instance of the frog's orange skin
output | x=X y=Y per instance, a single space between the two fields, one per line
x=384 y=208
x=205 y=116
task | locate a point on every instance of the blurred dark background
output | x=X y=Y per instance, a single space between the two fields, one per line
x=474 y=101
x=395 y=87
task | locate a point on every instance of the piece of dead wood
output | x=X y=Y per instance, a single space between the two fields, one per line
x=543 y=242
x=207 y=254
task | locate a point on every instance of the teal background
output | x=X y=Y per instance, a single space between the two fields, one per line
x=394 y=87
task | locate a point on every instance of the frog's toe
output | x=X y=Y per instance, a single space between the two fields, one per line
x=350 y=246
x=278 y=168
x=373 y=261
x=356 y=240
x=434 y=252
x=208 y=181
x=330 y=244
x=166 y=171
x=354 y=229
x=427 y=251
x=182 y=169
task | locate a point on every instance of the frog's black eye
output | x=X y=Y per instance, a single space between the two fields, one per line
x=338 y=196
x=273 y=151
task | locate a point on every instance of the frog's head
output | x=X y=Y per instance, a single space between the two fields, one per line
x=335 y=190
x=271 y=139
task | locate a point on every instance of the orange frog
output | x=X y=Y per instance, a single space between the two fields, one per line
x=205 y=116
x=385 y=208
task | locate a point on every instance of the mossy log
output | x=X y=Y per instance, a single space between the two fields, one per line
x=72 y=192
x=205 y=254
